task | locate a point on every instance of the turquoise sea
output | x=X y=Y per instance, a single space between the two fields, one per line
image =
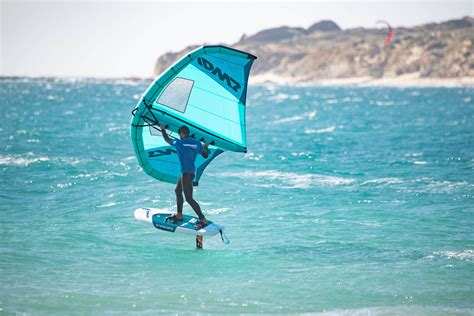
x=351 y=200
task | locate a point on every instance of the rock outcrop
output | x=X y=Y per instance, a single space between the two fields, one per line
x=324 y=51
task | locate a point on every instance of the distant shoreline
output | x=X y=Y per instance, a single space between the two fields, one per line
x=400 y=81
x=270 y=78
x=76 y=79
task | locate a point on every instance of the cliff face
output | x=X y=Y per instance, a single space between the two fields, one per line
x=324 y=51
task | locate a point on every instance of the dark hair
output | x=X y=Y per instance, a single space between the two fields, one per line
x=183 y=129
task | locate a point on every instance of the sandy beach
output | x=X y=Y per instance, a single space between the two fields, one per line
x=410 y=80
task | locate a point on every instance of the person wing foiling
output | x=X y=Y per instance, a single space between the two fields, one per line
x=187 y=149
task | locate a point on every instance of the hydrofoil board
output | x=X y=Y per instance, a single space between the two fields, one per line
x=158 y=218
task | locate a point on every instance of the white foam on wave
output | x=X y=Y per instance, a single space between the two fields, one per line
x=466 y=255
x=287 y=180
x=100 y=174
x=302 y=154
x=70 y=161
x=398 y=310
x=387 y=103
x=204 y=203
x=217 y=210
x=108 y=204
x=420 y=162
x=53 y=97
x=253 y=156
x=29 y=159
x=332 y=101
x=20 y=161
x=112 y=127
x=280 y=97
x=444 y=186
x=64 y=185
x=307 y=115
x=129 y=158
x=417 y=154
x=383 y=181
x=329 y=129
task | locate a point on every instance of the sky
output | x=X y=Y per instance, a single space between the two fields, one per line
x=106 y=38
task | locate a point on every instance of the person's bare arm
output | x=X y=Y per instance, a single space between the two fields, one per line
x=205 y=151
x=165 y=135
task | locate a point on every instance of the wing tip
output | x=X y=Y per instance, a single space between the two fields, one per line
x=248 y=55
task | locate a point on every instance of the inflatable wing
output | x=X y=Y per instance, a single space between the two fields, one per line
x=205 y=90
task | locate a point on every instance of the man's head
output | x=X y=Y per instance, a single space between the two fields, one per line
x=183 y=131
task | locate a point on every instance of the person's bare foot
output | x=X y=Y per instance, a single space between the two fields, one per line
x=176 y=218
x=201 y=224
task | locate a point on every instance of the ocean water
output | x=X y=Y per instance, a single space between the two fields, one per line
x=351 y=200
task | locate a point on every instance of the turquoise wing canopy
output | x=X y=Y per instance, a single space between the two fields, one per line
x=205 y=90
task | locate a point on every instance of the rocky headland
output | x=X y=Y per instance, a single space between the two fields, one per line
x=429 y=54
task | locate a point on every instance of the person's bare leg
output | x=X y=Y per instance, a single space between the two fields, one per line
x=188 y=194
x=179 y=198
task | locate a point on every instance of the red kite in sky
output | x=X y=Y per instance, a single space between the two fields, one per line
x=391 y=31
